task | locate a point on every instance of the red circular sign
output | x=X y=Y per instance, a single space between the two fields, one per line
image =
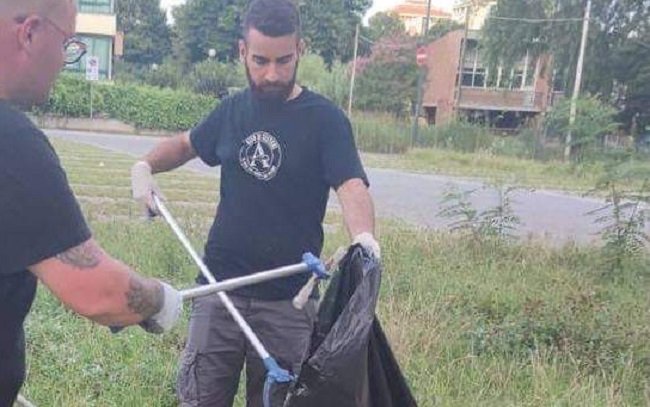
x=421 y=56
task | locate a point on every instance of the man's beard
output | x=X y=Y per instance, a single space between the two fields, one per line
x=272 y=92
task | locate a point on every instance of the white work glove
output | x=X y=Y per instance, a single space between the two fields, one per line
x=143 y=186
x=368 y=242
x=168 y=315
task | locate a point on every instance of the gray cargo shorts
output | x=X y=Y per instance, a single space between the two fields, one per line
x=216 y=349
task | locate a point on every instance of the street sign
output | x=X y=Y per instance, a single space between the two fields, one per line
x=421 y=56
x=92 y=68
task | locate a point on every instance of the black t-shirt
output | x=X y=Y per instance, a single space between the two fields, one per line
x=278 y=164
x=39 y=218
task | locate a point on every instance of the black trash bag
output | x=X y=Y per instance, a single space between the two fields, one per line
x=349 y=362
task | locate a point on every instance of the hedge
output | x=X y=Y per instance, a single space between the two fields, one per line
x=144 y=107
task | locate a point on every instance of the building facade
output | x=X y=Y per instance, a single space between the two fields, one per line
x=413 y=14
x=97 y=27
x=474 y=12
x=504 y=98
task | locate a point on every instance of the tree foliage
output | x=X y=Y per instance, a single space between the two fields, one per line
x=617 y=52
x=328 y=27
x=385 y=24
x=147 y=37
x=388 y=77
x=594 y=119
x=202 y=25
x=334 y=83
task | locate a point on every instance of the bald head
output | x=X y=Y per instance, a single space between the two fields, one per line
x=47 y=8
x=32 y=38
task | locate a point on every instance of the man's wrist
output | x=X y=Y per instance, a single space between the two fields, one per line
x=367 y=240
x=169 y=312
x=143 y=164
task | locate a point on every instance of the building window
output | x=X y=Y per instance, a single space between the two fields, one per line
x=95 y=6
x=468 y=76
x=100 y=47
x=474 y=77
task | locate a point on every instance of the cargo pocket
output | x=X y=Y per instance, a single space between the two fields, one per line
x=186 y=383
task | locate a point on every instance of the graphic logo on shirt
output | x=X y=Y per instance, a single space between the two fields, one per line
x=261 y=155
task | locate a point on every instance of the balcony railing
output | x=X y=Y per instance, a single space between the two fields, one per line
x=501 y=99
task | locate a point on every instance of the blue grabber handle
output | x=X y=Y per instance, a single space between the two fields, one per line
x=274 y=374
x=315 y=266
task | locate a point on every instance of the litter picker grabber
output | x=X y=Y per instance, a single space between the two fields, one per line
x=274 y=374
x=309 y=264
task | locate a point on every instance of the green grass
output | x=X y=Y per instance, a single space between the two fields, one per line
x=471 y=323
x=485 y=166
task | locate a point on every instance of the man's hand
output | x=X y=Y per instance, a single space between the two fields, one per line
x=143 y=185
x=368 y=242
x=168 y=315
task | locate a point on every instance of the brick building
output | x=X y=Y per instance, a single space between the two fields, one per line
x=503 y=98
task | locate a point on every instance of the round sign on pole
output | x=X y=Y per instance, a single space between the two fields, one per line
x=421 y=56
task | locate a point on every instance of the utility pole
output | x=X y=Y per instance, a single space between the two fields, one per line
x=354 y=71
x=578 y=82
x=461 y=62
x=421 y=74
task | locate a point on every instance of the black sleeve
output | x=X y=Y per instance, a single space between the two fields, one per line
x=205 y=136
x=39 y=215
x=339 y=156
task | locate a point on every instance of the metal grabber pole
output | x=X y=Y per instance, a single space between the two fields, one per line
x=274 y=374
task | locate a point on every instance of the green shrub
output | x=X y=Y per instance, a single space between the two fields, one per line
x=594 y=119
x=144 y=107
x=152 y=108
x=333 y=83
x=71 y=97
x=214 y=78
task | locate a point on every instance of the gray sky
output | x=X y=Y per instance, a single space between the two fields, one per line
x=378 y=5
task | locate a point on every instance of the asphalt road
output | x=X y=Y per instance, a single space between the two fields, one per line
x=416 y=198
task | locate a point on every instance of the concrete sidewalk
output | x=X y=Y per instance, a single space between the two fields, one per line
x=95 y=125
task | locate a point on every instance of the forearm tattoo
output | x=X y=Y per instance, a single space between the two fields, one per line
x=84 y=256
x=144 y=298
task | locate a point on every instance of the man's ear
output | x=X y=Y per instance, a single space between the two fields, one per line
x=27 y=30
x=242 y=51
x=302 y=47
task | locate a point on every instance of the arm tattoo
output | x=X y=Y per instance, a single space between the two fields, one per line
x=84 y=256
x=143 y=298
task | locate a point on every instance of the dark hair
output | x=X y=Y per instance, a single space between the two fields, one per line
x=273 y=18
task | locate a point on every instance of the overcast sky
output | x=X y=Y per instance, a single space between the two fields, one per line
x=378 y=5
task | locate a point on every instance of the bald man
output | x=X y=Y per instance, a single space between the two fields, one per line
x=43 y=234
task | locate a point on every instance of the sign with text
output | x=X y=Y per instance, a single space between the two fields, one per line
x=92 y=68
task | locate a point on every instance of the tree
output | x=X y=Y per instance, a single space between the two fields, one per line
x=384 y=25
x=147 y=37
x=328 y=27
x=594 y=119
x=202 y=25
x=614 y=59
x=632 y=68
x=388 y=77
